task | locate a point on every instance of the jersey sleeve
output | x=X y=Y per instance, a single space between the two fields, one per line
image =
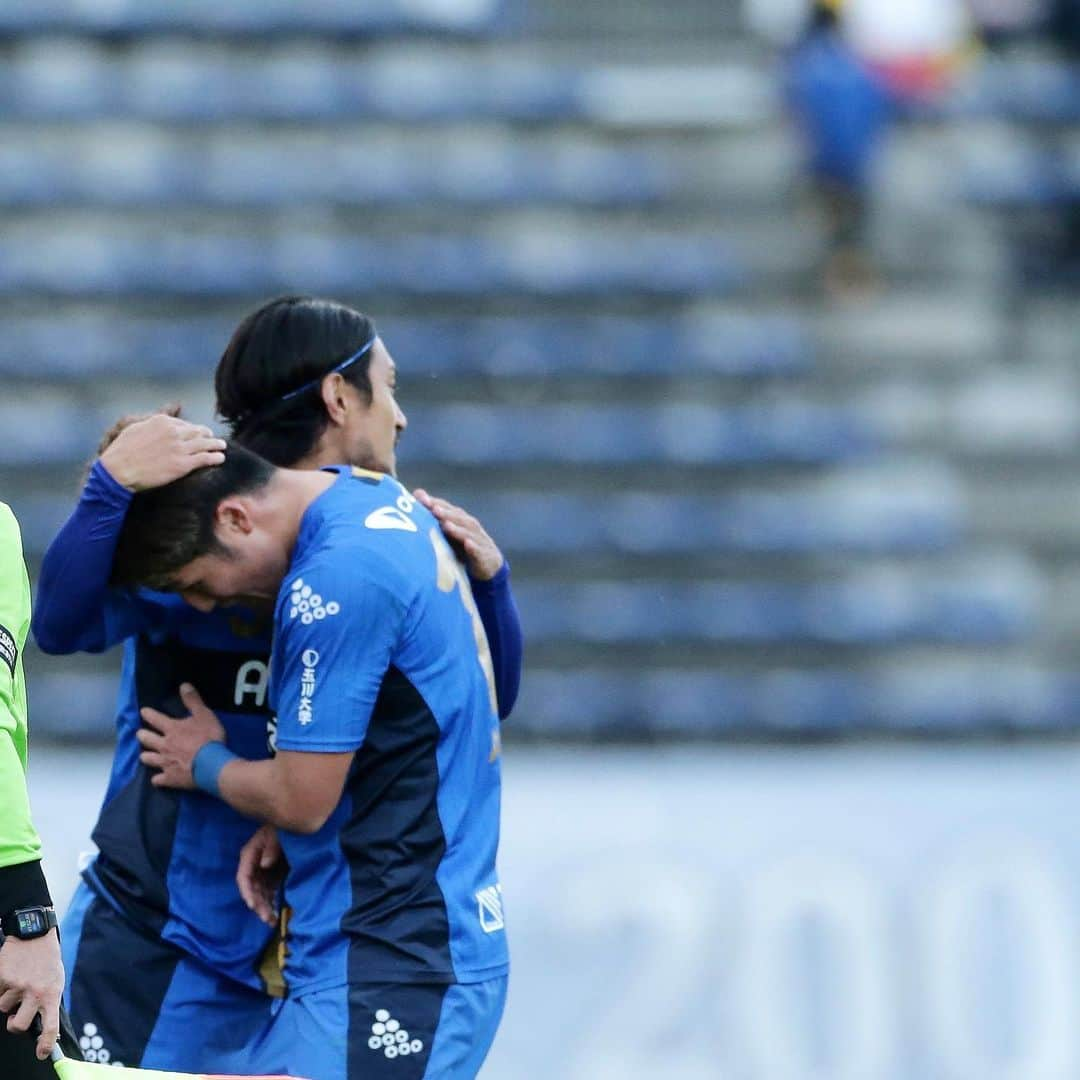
x=334 y=637
x=76 y=611
x=502 y=625
x=19 y=841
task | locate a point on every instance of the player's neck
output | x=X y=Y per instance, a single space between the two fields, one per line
x=291 y=492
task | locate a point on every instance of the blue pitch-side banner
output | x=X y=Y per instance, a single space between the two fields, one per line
x=884 y=912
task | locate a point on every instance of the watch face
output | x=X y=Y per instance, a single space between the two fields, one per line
x=31 y=923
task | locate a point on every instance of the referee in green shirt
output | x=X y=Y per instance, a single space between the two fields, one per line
x=31 y=972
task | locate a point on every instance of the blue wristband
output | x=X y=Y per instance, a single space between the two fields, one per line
x=207 y=765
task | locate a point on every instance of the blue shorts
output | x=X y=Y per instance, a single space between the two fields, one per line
x=386 y=1031
x=137 y=1000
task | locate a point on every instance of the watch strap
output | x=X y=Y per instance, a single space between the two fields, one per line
x=9 y=923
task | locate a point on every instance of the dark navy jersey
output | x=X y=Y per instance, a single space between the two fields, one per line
x=167 y=859
x=378 y=649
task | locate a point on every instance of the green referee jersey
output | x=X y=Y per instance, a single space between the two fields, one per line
x=19 y=842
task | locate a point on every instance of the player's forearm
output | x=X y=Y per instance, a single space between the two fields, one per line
x=502 y=624
x=73 y=589
x=263 y=790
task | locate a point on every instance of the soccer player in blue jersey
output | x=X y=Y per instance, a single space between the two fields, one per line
x=386 y=781
x=158 y=942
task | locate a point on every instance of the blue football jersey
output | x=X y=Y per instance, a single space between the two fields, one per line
x=167 y=859
x=378 y=649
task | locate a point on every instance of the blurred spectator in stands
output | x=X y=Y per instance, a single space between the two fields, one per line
x=841 y=109
x=916 y=47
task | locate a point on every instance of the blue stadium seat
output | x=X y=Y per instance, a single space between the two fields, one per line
x=141 y=172
x=1028 y=178
x=700 y=703
x=74 y=705
x=183 y=83
x=245 y=16
x=789 y=431
x=696 y=703
x=864 y=521
x=88 y=344
x=560 y=435
x=603 y=346
x=51 y=432
x=644 y=523
x=970 y=607
x=93 y=262
x=1033 y=89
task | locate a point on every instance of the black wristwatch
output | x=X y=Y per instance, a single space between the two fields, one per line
x=29 y=922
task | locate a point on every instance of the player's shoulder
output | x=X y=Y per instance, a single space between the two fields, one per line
x=376 y=512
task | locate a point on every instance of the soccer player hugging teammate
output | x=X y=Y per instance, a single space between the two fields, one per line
x=385 y=785
x=307 y=383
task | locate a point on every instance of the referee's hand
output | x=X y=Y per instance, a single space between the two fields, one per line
x=31 y=982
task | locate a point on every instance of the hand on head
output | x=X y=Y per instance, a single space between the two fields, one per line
x=143 y=452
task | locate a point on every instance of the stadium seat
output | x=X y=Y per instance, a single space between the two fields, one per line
x=789 y=431
x=92 y=261
x=74 y=704
x=135 y=171
x=520 y=435
x=627 y=704
x=919 y=514
x=1027 y=178
x=88 y=344
x=976 y=605
x=175 y=80
x=181 y=82
x=698 y=703
x=904 y=518
x=244 y=16
x=1027 y=89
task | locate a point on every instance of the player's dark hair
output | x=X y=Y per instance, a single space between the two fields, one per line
x=285 y=346
x=166 y=527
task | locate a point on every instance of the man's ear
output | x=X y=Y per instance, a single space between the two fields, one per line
x=233 y=517
x=334 y=399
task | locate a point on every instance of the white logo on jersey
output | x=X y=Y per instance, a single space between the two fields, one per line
x=489 y=903
x=251 y=679
x=307 y=687
x=391 y=1038
x=93 y=1047
x=308 y=605
x=390 y=517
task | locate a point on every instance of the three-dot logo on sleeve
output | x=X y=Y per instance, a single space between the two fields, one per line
x=308 y=606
